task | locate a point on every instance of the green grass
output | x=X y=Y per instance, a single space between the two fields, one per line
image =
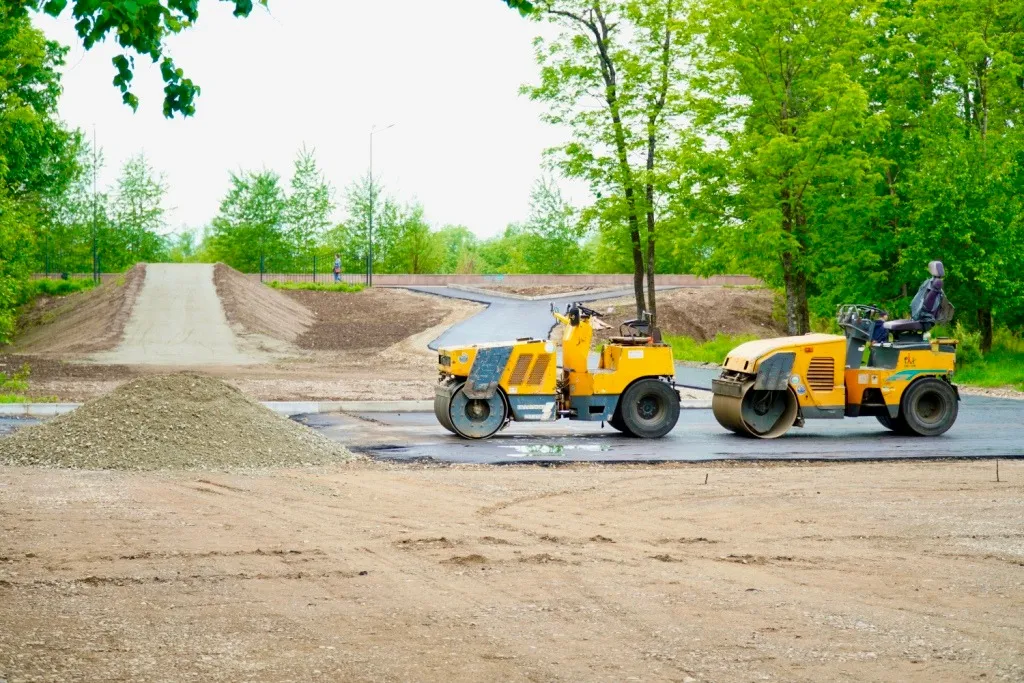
x=1002 y=366
x=13 y=386
x=713 y=351
x=21 y=398
x=58 y=287
x=317 y=286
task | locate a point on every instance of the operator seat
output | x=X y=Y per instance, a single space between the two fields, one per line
x=924 y=309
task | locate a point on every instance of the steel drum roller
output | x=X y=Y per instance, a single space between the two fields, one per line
x=757 y=413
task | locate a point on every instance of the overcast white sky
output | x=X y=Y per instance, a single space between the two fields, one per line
x=321 y=73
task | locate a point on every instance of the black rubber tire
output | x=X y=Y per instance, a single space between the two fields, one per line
x=896 y=424
x=649 y=408
x=617 y=423
x=929 y=407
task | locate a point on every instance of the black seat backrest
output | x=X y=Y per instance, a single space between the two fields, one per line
x=928 y=300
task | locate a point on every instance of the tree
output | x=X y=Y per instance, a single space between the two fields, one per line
x=553 y=244
x=37 y=154
x=965 y=186
x=137 y=214
x=310 y=205
x=415 y=249
x=788 y=125
x=458 y=246
x=624 y=56
x=183 y=247
x=249 y=229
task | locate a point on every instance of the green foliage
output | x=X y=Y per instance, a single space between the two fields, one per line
x=317 y=286
x=46 y=287
x=1001 y=367
x=136 y=223
x=140 y=27
x=16 y=381
x=250 y=224
x=14 y=385
x=968 y=351
x=713 y=351
x=309 y=206
x=36 y=151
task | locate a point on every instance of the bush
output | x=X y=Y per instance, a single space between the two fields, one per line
x=317 y=286
x=713 y=351
x=969 y=349
x=47 y=287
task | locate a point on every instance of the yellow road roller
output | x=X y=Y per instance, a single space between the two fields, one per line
x=770 y=385
x=483 y=387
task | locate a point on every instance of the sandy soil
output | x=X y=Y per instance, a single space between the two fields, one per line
x=896 y=571
x=703 y=312
x=255 y=310
x=395 y=365
x=81 y=323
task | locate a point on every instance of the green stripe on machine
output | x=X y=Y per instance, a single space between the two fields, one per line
x=907 y=375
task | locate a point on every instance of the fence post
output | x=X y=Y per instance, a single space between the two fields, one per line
x=314 y=269
x=261 y=267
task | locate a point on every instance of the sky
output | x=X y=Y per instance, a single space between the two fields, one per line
x=322 y=73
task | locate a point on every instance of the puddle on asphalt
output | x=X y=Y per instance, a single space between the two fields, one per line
x=553 y=449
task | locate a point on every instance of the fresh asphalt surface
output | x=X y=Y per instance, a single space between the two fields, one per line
x=505 y=318
x=986 y=427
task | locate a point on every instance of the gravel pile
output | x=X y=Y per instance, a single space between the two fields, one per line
x=181 y=421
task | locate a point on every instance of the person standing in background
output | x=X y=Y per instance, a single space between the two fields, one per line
x=337 y=267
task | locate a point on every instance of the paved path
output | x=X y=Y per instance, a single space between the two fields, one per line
x=983 y=429
x=505 y=319
x=178 y=320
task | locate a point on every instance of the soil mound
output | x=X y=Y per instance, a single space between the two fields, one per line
x=703 y=312
x=82 y=323
x=182 y=421
x=254 y=308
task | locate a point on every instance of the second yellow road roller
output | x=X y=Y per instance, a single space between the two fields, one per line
x=770 y=385
x=483 y=387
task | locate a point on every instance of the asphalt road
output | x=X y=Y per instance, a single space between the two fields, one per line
x=987 y=427
x=505 y=319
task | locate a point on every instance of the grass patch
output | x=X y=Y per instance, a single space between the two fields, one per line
x=317 y=286
x=47 y=287
x=14 y=385
x=1002 y=366
x=713 y=351
x=14 y=382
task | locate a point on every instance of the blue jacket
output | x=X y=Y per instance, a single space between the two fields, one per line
x=879 y=334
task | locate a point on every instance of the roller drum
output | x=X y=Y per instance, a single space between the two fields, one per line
x=756 y=413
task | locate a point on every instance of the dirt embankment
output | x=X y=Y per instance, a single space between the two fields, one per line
x=370 y=320
x=702 y=312
x=254 y=308
x=169 y=422
x=82 y=323
x=840 y=572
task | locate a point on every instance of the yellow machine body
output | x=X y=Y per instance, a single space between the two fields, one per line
x=822 y=376
x=482 y=385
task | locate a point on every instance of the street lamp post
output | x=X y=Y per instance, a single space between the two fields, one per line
x=369 y=254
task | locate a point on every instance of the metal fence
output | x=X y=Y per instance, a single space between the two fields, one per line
x=314 y=268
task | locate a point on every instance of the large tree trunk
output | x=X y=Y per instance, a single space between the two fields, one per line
x=985 y=326
x=595 y=22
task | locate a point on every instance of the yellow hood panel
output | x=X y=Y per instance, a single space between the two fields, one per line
x=745 y=357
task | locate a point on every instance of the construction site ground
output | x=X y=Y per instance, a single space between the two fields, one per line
x=373 y=572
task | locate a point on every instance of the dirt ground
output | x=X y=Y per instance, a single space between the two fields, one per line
x=365 y=572
x=350 y=351
x=81 y=323
x=703 y=312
